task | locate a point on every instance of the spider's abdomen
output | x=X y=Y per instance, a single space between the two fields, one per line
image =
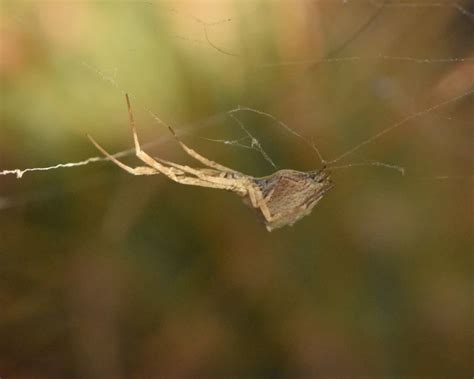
x=290 y=195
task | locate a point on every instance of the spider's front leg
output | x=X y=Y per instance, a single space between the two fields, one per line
x=177 y=172
x=140 y=170
x=170 y=172
x=194 y=154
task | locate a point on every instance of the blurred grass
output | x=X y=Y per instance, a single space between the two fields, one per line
x=108 y=275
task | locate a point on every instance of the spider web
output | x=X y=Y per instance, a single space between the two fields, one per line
x=124 y=278
x=336 y=56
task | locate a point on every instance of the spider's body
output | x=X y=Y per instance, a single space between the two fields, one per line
x=291 y=195
x=280 y=199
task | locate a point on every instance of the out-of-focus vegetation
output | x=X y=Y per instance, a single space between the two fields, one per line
x=106 y=275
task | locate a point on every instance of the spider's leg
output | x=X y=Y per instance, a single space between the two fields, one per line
x=197 y=172
x=206 y=179
x=253 y=199
x=194 y=154
x=140 y=170
x=207 y=162
x=204 y=183
x=257 y=200
x=170 y=172
x=208 y=174
x=176 y=171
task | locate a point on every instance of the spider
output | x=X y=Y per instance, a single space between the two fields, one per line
x=279 y=199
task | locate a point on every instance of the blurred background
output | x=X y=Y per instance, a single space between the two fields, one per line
x=107 y=275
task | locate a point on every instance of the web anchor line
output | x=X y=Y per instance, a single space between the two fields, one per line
x=20 y=172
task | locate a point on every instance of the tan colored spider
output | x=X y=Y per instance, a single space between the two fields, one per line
x=280 y=199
